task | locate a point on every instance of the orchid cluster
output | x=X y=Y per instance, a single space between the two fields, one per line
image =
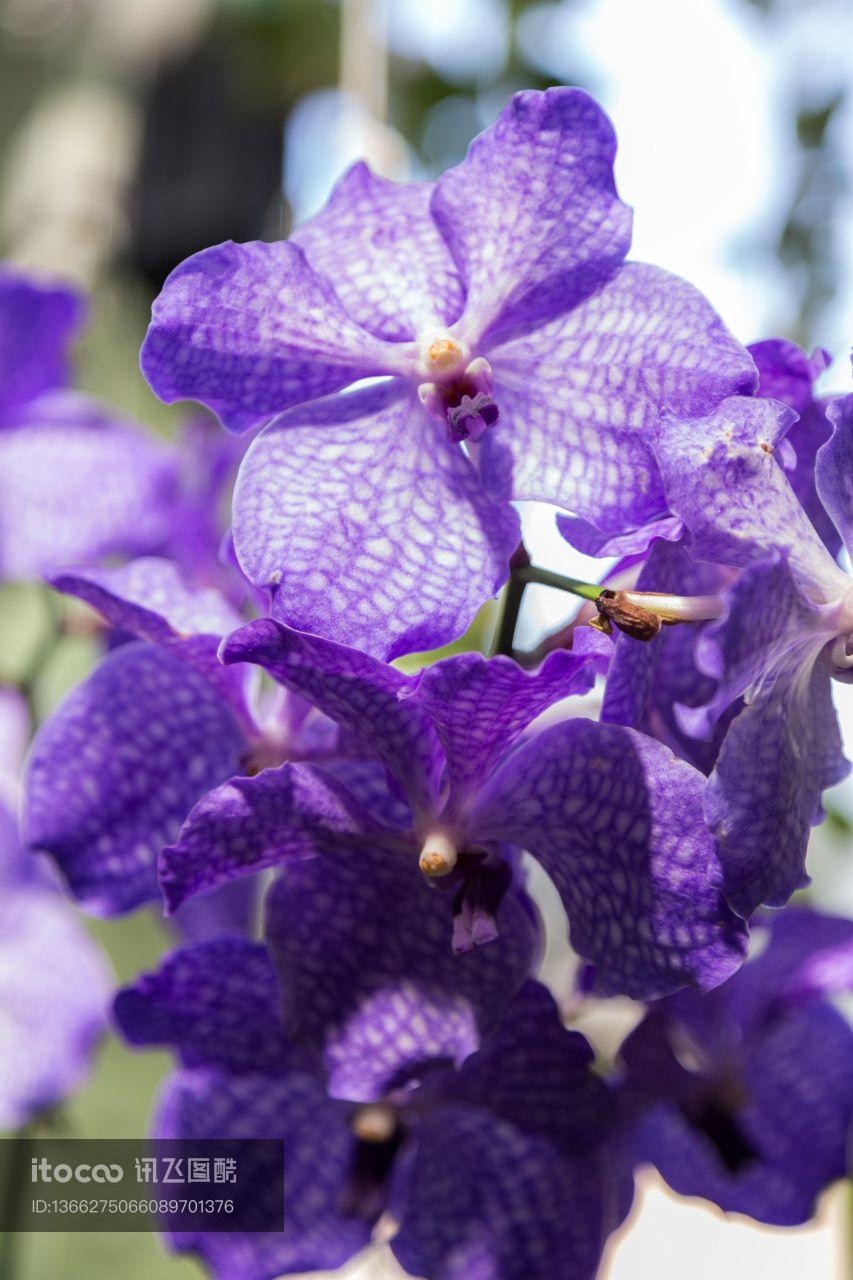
x=414 y=361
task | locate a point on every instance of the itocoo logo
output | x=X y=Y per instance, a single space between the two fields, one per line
x=43 y=1171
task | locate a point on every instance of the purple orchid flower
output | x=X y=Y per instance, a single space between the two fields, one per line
x=613 y=817
x=497 y=306
x=357 y=980
x=746 y=1092
x=117 y=767
x=787 y=632
x=77 y=482
x=494 y=1168
x=55 y=985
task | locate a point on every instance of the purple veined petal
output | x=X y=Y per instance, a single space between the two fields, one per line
x=55 y=987
x=358 y=692
x=536 y=1073
x=368 y=526
x=150 y=598
x=37 y=323
x=372 y=786
x=480 y=1199
x=786 y=373
x=736 y=502
x=834 y=469
x=589 y=540
x=317 y=1147
x=780 y=752
x=531 y=216
x=479 y=707
x=377 y=243
x=79 y=484
x=363 y=948
x=248 y=824
x=251 y=329
x=811 y=1045
x=645 y=682
x=770 y=626
x=579 y=399
x=782 y=748
x=786 y=1142
x=616 y=821
x=215 y=1003
x=117 y=767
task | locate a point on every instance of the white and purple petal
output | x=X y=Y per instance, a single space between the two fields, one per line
x=216 y=1004
x=770 y=630
x=723 y=479
x=251 y=329
x=531 y=215
x=579 y=399
x=368 y=526
x=251 y=823
x=150 y=598
x=377 y=242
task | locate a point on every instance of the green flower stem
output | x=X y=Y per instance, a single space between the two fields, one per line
x=521 y=575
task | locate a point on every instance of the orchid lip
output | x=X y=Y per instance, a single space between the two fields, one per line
x=462 y=400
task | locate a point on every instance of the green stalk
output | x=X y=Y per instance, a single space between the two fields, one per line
x=587 y=590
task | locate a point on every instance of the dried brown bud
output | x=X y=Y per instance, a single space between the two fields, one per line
x=615 y=611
